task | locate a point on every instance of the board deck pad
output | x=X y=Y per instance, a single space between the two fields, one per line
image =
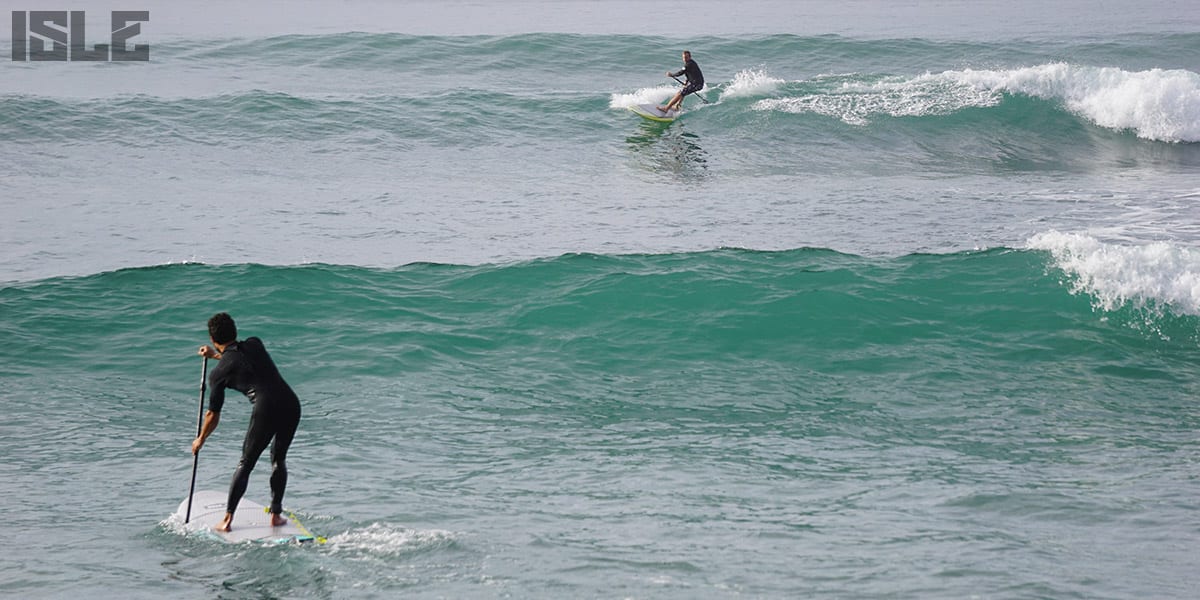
x=651 y=111
x=251 y=522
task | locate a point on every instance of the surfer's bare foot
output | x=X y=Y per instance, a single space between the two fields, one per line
x=277 y=520
x=226 y=524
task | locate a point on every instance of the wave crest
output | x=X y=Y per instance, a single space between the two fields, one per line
x=749 y=82
x=1160 y=105
x=650 y=95
x=1156 y=104
x=1153 y=276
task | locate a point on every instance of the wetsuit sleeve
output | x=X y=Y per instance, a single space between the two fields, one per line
x=218 y=380
x=679 y=72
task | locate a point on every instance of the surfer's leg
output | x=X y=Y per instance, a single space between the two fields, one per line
x=258 y=435
x=674 y=100
x=690 y=88
x=283 y=440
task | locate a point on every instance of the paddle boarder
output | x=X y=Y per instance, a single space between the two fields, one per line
x=246 y=367
x=695 y=81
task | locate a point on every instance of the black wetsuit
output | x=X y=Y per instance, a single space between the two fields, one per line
x=695 y=79
x=246 y=367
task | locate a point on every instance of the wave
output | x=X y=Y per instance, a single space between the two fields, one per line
x=740 y=292
x=1156 y=105
x=1159 y=276
x=399 y=89
x=657 y=336
x=1163 y=276
x=749 y=83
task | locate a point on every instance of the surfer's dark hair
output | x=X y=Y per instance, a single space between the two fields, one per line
x=222 y=329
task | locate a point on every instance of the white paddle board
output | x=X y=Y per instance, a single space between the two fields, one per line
x=652 y=112
x=251 y=522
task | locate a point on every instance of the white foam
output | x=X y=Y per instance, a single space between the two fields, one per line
x=748 y=83
x=1157 y=104
x=388 y=540
x=174 y=524
x=651 y=95
x=857 y=102
x=1158 y=275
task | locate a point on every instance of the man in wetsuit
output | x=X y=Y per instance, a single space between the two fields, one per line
x=695 y=81
x=246 y=367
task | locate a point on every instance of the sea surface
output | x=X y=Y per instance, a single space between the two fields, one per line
x=905 y=305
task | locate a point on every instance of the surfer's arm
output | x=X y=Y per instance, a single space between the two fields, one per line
x=217 y=381
x=211 y=419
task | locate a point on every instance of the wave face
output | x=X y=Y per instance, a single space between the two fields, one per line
x=731 y=311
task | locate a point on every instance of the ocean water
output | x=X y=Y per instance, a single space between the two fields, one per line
x=907 y=307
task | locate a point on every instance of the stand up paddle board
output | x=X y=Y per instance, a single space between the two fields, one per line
x=251 y=522
x=652 y=112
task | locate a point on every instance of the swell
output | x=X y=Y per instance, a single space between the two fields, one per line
x=982 y=132
x=827 y=311
x=395 y=89
x=957 y=122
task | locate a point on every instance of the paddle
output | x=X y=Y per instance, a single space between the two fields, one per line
x=696 y=94
x=199 y=424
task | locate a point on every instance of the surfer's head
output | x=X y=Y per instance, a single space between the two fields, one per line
x=687 y=55
x=221 y=329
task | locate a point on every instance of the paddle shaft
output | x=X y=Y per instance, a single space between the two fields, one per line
x=199 y=425
x=697 y=94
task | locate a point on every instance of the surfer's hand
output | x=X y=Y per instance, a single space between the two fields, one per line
x=197 y=444
x=208 y=352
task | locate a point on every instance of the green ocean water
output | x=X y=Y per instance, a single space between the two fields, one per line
x=715 y=424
